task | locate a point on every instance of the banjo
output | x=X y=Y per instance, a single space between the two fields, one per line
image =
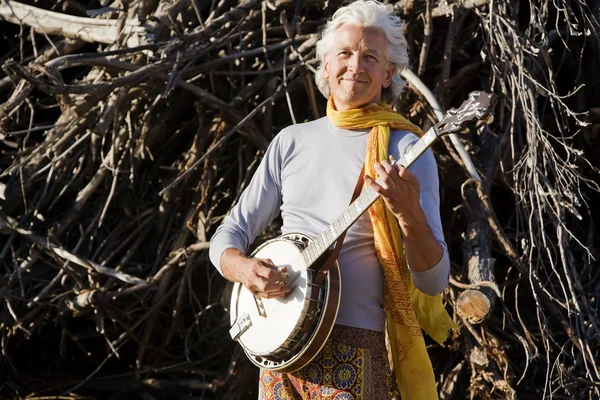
x=285 y=334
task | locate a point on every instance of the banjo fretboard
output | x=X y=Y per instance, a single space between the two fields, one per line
x=323 y=242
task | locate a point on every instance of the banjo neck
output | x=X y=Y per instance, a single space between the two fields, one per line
x=323 y=242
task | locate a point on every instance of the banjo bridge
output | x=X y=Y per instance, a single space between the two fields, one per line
x=260 y=307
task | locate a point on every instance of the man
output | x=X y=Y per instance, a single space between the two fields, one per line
x=309 y=173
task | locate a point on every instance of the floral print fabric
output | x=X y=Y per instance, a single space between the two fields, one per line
x=352 y=365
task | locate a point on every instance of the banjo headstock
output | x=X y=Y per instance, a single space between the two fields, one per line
x=477 y=108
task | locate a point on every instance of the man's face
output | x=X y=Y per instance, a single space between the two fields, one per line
x=357 y=67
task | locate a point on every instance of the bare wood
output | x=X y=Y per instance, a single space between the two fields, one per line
x=65 y=46
x=136 y=77
x=427 y=36
x=451 y=382
x=14 y=102
x=442 y=86
x=203 y=32
x=82 y=302
x=87 y=29
x=59 y=137
x=474 y=305
x=446 y=9
x=443 y=9
x=7 y=222
x=428 y=94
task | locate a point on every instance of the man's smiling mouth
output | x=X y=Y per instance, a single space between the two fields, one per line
x=352 y=80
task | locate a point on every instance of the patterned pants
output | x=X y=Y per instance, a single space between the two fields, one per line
x=353 y=365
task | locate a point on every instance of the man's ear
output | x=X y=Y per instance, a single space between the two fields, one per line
x=389 y=75
x=325 y=69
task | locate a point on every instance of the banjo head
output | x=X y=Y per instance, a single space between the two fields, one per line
x=269 y=323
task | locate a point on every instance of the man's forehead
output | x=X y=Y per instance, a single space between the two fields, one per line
x=371 y=37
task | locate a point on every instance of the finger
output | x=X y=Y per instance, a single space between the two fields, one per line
x=399 y=173
x=373 y=184
x=406 y=175
x=273 y=286
x=280 y=293
x=267 y=262
x=386 y=175
x=380 y=169
x=272 y=275
x=285 y=276
x=389 y=168
x=265 y=269
x=270 y=291
x=284 y=272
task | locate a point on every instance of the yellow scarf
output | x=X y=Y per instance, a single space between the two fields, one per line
x=407 y=309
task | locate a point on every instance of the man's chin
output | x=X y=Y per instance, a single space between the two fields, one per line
x=350 y=102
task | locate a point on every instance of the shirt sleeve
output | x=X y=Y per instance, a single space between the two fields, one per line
x=435 y=279
x=258 y=205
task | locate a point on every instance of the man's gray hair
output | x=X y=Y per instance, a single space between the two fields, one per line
x=368 y=13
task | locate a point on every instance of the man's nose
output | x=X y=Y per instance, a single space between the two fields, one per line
x=355 y=63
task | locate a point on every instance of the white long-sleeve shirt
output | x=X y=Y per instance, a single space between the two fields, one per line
x=308 y=174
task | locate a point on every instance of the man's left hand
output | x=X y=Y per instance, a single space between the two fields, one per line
x=399 y=188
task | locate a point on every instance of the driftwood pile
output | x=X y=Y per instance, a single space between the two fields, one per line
x=128 y=129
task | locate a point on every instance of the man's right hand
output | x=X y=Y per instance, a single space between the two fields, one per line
x=259 y=275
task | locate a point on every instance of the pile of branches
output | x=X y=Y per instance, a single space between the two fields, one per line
x=129 y=129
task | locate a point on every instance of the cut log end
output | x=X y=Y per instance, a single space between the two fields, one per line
x=474 y=305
